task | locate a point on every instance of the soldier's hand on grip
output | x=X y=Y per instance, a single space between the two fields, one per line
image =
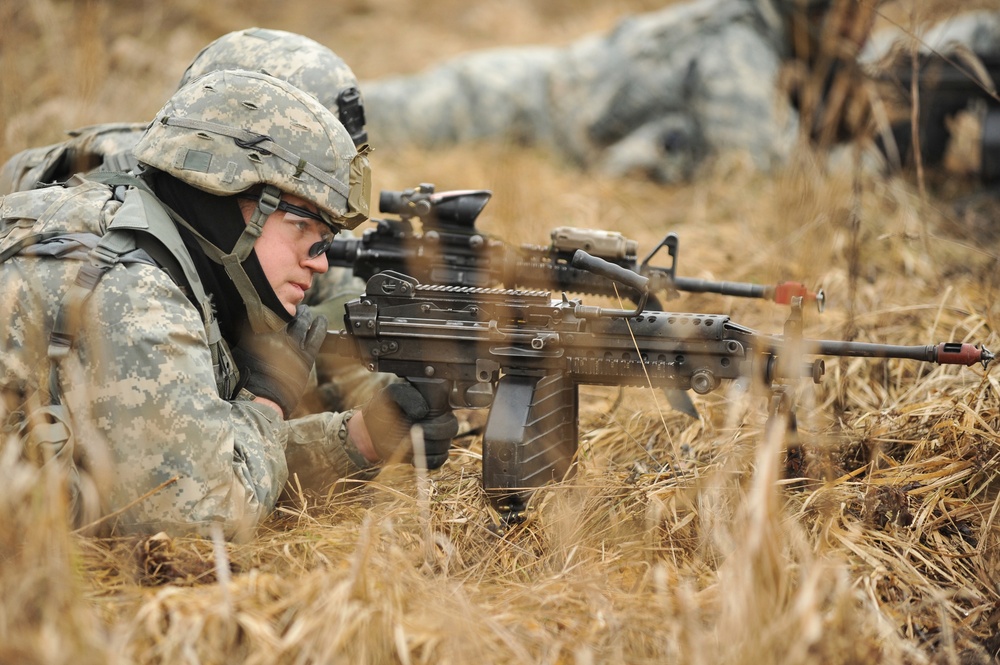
x=390 y=414
x=279 y=363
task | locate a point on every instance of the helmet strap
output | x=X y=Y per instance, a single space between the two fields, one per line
x=262 y=318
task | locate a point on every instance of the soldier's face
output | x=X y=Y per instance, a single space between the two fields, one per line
x=284 y=248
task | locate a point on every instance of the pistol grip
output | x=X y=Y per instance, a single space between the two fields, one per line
x=436 y=392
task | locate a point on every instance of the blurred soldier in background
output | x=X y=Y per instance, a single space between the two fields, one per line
x=663 y=91
x=654 y=96
x=156 y=339
x=306 y=64
x=957 y=67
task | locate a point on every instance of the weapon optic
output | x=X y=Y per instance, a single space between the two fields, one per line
x=524 y=355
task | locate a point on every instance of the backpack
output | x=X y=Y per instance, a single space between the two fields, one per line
x=104 y=147
x=139 y=230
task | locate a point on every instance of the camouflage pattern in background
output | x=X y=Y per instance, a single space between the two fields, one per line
x=975 y=31
x=654 y=96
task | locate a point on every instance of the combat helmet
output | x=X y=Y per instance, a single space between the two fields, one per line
x=306 y=64
x=230 y=131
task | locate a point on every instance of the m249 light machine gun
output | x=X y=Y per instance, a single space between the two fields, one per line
x=524 y=355
x=449 y=249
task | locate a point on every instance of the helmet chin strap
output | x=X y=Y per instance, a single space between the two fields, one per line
x=262 y=318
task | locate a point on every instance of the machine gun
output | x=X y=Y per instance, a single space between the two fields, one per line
x=451 y=250
x=524 y=355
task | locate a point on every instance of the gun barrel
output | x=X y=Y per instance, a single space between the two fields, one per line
x=781 y=293
x=946 y=353
x=739 y=289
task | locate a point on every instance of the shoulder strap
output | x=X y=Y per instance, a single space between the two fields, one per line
x=111 y=249
x=153 y=226
x=26 y=241
x=142 y=223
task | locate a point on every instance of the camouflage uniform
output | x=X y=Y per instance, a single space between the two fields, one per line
x=655 y=95
x=106 y=147
x=975 y=31
x=302 y=62
x=140 y=375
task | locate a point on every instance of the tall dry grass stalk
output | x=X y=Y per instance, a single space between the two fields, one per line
x=45 y=616
x=676 y=540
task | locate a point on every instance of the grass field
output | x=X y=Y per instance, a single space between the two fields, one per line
x=677 y=540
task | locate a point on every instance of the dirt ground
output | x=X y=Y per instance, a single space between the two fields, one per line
x=888 y=552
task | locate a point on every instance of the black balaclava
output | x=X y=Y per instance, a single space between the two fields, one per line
x=219 y=220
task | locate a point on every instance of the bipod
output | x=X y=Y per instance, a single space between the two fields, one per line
x=781 y=411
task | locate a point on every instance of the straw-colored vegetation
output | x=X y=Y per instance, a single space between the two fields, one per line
x=677 y=540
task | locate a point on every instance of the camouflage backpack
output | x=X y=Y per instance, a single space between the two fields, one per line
x=119 y=225
x=96 y=148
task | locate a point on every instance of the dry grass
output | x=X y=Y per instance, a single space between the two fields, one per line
x=677 y=541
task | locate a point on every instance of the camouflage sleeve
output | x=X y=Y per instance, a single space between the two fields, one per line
x=144 y=378
x=320 y=455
